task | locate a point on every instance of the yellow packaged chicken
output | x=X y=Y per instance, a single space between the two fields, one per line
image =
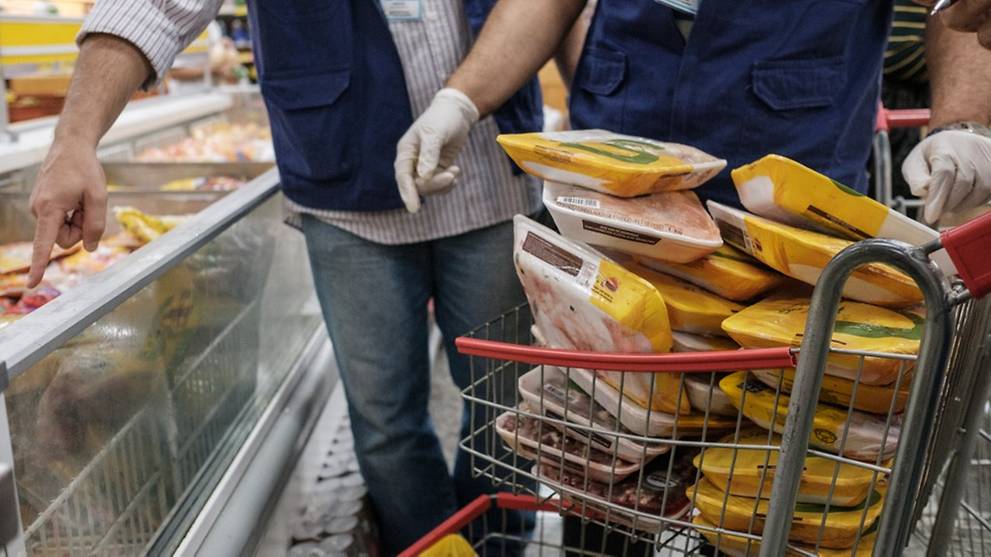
x=687 y=342
x=690 y=309
x=144 y=227
x=854 y=434
x=728 y=272
x=781 y=322
x=803 y=254
x=620 y=165
x=840 y=526
x=750 y=472
x=739 y=546
x=876 y=399
x=451 y=545
x=582 y=301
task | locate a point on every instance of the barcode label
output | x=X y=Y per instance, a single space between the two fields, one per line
x=579 y=201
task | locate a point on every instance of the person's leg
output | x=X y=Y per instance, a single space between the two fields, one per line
x=475 y=282
x=374 y=300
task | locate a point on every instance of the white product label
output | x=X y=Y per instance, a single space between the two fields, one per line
x=402 y=10
x=579 y=202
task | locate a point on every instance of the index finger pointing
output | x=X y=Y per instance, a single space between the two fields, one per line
x=44 y=239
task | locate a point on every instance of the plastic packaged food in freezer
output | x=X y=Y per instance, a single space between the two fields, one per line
x=144 y=227
x=534 y=439
x=582 y=301
x=876 y=399
x=781 y=322
x=655 y=492
x=89 y=263
x=548 y=390
x=654 y=423
x=862 y=436
x=16 y=257
x=672 y=226
x=612 y=163
x=803 y=254
x=728 y=272
x=786 y=191
x=840 y=525
x=690 y=309
x=739 y=546
x=687 y=342
x=750 y=472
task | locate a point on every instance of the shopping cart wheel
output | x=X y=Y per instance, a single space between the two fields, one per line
x=617 y=543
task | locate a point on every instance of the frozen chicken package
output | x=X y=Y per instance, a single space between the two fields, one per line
x=750 y=472
x=654 y=492
x=548 y=390
x=581 y=300
x=650 y=423
x=690 y=308
x=726 y=272
x=621 y=165
x=783 y=190
x=803 y=254
x=687 y=342
x=854 y=434
x=535 y=440
x=841 y=531
x=876 y=399
x=780 y=321
x=672 y=226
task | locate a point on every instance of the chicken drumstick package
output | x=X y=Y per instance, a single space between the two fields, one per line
x=581 y=300
x=621 y=165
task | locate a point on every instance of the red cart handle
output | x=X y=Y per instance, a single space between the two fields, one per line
x=969 y=246
x=901 y=118
x=477 y=508
x=679 y=362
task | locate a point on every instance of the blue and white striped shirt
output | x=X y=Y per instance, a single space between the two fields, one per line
x=430 y=49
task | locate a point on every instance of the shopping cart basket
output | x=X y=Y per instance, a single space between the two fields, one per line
x=757 y=462
x=887 y=120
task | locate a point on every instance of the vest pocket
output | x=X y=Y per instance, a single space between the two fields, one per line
x=601 y=71
x=793 y=84
x=311 y=123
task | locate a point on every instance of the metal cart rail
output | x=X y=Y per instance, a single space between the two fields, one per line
x=772 y=471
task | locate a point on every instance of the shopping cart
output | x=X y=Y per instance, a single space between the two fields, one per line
x=887 y=120
x=741 y=477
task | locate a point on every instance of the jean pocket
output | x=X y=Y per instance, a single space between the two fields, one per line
x=311 y=121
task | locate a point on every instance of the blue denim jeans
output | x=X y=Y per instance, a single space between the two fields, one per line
x=374 y=299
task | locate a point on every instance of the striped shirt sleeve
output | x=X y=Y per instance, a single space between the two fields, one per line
x=160 y=29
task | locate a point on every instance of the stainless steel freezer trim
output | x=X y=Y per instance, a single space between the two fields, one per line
x=30 y=339
x=14 y=547
x=292 y=399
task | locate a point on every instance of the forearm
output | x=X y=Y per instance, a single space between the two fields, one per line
x=108 y=71
x=568 y=55
x=518 y=38
x=959 y=75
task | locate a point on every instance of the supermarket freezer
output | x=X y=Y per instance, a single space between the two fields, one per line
x=134 y=403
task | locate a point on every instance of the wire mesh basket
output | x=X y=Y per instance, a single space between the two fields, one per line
x=810 y=450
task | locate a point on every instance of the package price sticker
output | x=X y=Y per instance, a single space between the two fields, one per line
x=403 y=10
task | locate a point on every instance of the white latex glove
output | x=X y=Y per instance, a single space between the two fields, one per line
x=426 y=152
x=950 y=171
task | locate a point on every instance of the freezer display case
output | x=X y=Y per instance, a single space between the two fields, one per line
x=127 y=398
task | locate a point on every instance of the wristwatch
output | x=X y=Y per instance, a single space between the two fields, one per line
x=972 y=127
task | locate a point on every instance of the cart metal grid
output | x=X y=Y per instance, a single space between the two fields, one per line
x=529 y=436
x=119 y=502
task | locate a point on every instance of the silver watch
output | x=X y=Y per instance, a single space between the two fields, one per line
x=972 y=127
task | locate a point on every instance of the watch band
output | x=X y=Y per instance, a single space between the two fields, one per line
x=972 y=127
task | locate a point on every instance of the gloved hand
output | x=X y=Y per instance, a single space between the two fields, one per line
x=426 y=152
x=950 y=171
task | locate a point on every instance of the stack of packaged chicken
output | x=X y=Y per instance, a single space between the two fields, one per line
x=660 y=279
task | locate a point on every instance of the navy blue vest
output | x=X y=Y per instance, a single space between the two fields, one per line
x=336 y=97
x=798 y=78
